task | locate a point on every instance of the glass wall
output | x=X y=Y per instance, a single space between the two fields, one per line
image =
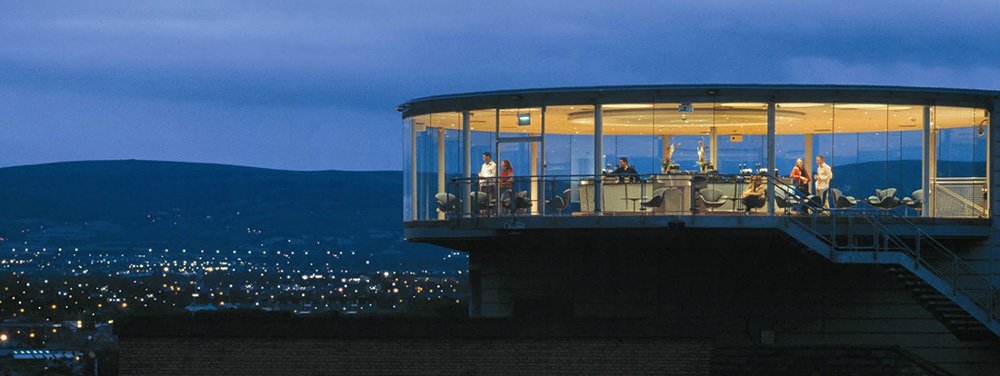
x=569 y=151
x=871 y=147
x=959 y=177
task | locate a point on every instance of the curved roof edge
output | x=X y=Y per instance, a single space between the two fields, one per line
x=693 y=92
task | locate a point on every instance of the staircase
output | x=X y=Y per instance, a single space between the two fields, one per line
x=964 y=300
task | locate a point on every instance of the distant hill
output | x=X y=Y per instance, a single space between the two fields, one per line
x=145 y=204
x=135 y=205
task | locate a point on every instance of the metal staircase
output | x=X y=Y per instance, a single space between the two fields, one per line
x=963 y=299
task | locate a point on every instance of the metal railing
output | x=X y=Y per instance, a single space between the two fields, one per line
x=630 y=194
x=869 y=230
x=961 y=197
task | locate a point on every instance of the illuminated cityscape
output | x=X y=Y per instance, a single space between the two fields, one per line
x=69 y=299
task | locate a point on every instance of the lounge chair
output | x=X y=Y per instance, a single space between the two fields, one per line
x=915 y=201
x=712 y=198
x=884 y=199
x=447 y=202
x=654 y=202
x=560 y=203
x=840 y=201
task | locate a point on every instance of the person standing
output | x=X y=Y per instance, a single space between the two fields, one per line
x=487 y=176
x=506 y=175
x=800 y=177
x=824 y=174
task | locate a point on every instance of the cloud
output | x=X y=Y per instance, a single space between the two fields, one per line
x=304 y=65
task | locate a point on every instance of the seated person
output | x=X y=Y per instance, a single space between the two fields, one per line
x=624 y=170
x=753 y=196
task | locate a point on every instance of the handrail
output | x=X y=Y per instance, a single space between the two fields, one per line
x=880 y=231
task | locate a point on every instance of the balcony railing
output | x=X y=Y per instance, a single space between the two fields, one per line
x=634 y=194
x=677 y=194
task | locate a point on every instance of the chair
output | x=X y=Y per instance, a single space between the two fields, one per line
x=522 y=201
x=712 y=198
x=447 y=202
x=915 y=201
x=884 y=199
x=785 y=198
x=480 y=201
x=840 y=201
x=506 y=199
x=655 y=201
x=560 y=203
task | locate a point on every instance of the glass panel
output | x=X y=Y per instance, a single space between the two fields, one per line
x=516 y=122
x=482 y=124
x=960 y=182
x=425 y=146
x=569 y=151
x=409 y=177
x=742 y=131
x=629 y=133
x=803 y=131
x=520 y=158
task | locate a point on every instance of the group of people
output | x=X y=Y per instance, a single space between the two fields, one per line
x=753 y=195
x=488 y=178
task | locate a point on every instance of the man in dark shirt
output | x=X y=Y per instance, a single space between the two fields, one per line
x=625 y=170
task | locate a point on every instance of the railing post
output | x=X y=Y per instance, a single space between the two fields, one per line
x=465 y=190
x=917 y=249
x=598 y=157
x=771 y=176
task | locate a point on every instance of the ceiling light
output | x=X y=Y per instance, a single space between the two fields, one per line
x=800 y=105
x=628 y=105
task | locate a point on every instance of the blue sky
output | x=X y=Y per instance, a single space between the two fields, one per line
x=312 y=85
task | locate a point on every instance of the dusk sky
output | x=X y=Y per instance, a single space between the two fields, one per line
x=313 y=85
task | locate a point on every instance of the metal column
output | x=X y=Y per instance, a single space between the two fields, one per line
x=534 y=177
x=770 y=157
x=413 y=171
x=442 y=188
x=541 y=167
x=807 y=162
x=466 y=162
x=598 y=156
x=713 y=148
x=925 y=179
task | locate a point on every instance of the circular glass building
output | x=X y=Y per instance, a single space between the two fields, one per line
x=692 y=150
